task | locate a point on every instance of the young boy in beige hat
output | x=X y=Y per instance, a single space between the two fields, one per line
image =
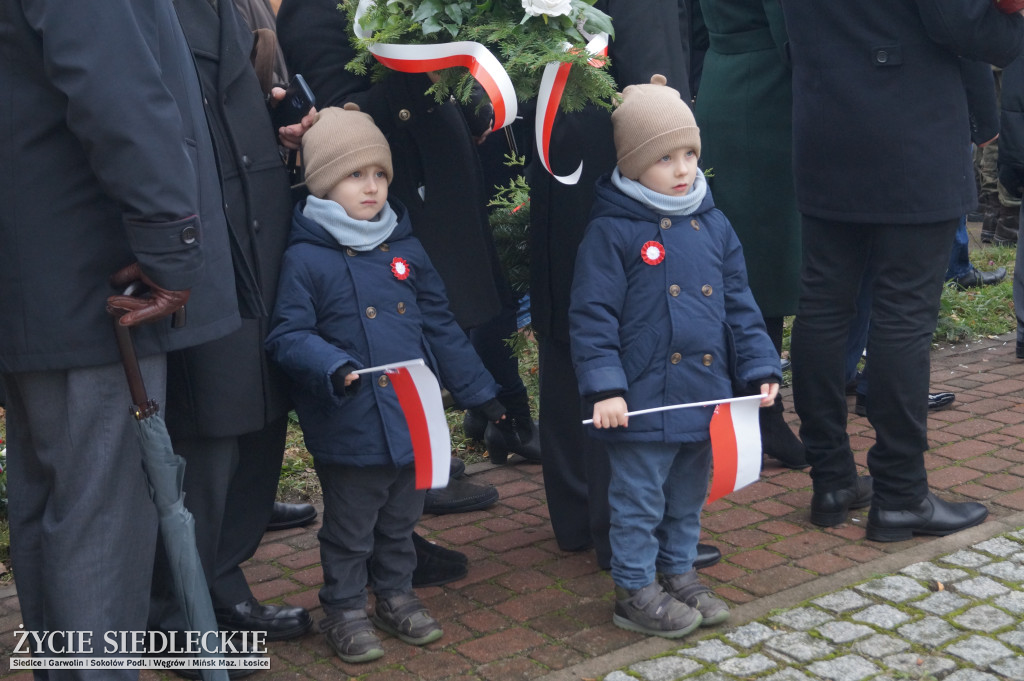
x=661 y=314
x=357 y=290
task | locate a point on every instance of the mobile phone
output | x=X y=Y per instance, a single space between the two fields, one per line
x=298 y=100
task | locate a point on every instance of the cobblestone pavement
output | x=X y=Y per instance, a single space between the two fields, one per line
x=807 y=602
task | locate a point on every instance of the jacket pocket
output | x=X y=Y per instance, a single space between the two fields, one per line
x=638 y=352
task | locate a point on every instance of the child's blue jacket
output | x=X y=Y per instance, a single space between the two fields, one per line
x=685 y=329
x=337 y=306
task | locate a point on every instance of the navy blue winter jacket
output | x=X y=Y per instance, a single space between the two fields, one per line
x=337 y=306
x=685 y=329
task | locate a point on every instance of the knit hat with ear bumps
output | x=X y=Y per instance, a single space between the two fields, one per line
x=651 y=121
x=341 y=141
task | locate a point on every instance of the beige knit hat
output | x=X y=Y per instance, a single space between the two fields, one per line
x=651 y=121
x=341 y=141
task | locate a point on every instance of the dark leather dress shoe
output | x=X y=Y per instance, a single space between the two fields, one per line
x=457 y=468
x=286 y=516
x=932 y=516
x=976 y=278
x=436 y=565
x=474 y=424
x=1020 y=350
x=829 y=509
x=460 y=496
x=281 y=623
x=707 y=555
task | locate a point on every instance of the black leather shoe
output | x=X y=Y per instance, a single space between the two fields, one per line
x=286 y=516
x=829 y=509
x=512 y=436
x=932 y=516
x=976 y=278
x=707 y=555
x=1020 y=350
x=281 y=623
x=460 y=496
x=436 y=565
x=778 y=441
x=940 y=401
x=457 y=468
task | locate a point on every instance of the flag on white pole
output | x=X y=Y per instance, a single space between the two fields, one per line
x=419 y=396
x=735 y=447
x=735 y=441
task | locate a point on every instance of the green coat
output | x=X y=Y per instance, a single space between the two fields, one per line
x=744 y=110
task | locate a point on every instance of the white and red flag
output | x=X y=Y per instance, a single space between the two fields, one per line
x=419 y=396
x=735 y=442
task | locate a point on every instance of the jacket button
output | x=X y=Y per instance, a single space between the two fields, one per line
x=383 y=381
x=385 y=247
x=676 y=358
x=401 y=308
x=350 y=251
x=695 y=224
x=404 y=115
x=673 y=290
x=188 y=235
x=706 y=360
x=371 y=312
x=881 y=56
x=706 y=289
x=665 y=223
x=255 y=225
x=246 y=161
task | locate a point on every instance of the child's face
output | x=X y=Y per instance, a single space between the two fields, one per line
x=672 y=174
x=363 y=193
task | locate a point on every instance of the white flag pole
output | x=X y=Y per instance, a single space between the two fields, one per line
x=685 y=406
x=390 y=367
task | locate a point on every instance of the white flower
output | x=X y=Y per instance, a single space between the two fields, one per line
x=553 y=8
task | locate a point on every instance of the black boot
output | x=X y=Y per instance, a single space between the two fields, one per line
x=988 y=206
x=515 y=435
x=436 y=565
x=1007 y=225
x=778 y=440
x=474 y=424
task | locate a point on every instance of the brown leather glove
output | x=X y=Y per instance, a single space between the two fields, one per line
x=155 y=304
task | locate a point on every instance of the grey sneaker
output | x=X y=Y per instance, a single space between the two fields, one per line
x=405 y=616
x=688 y=589
x=351 y=635
x=653 y=612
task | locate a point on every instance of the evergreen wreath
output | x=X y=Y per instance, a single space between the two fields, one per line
x=525 y=35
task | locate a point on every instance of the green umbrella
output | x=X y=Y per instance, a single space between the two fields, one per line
x=165 y=472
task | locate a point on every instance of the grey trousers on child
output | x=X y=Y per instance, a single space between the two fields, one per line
x=369 y=517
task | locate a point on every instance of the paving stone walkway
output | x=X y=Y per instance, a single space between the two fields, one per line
x=528 y=610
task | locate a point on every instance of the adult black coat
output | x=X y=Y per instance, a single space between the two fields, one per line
x=437 y=170
x=880 y=120
x=228 y=387
x=89 y=184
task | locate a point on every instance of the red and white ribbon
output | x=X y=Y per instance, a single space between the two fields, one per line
x=552 y=85
x=482 y=65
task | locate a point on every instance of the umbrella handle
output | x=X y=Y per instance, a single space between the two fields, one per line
x=143 y=406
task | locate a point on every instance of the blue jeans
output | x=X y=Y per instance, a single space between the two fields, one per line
x=656 y=493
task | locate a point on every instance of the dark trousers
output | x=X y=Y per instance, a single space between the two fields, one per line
x=369 y=517
x=907 y=263
x=83 y=525
x=576 y=469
